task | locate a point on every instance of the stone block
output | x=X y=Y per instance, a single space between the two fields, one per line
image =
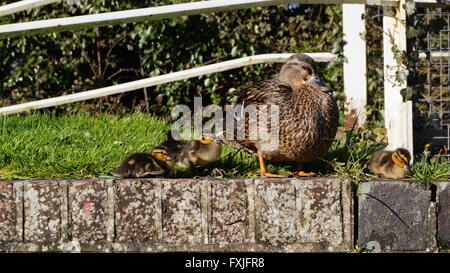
x=395 y=215
x=443 y=215
x=137 y=206
x=167 y=215
x=275 y=209
x=181 y=211
x=229 y=212
x=42 y=213
x=325 y=213
x=8 y=212
x=88 y=211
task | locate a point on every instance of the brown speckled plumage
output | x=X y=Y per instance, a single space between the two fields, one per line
x=308 y=116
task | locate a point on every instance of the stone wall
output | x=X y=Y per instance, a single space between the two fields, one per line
x=238 y=215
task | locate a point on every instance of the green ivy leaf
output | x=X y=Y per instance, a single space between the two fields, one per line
x=407 y=93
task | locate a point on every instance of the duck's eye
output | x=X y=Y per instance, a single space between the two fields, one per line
x=309 y=70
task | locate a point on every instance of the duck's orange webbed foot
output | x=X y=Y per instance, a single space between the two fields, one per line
x=299 y=170
x=302 y=173
x=272 y=175
x=263 y=169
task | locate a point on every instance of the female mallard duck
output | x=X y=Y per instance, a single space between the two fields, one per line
x=308 y=115
x=139 y=165
x=391 y=164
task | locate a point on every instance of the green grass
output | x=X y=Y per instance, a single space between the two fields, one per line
x=42 y=146
x=431 y=169
x=45 y=147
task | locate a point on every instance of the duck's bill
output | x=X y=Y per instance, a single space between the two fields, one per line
x=317 y=82
x=407 y=167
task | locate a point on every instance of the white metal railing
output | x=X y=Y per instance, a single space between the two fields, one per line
x=146 y=14
x=166 y=78
x=24 y=5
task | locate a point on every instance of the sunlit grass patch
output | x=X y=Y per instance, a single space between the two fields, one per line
x=43 y=146
x=434 y=169
x=73 y=146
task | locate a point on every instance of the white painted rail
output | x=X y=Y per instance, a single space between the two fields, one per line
x=24 y=5
x=154 y=13
x=176 y=76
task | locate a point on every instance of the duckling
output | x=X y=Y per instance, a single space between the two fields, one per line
x=203 y=152
x=391 y=164
x=190 y=153
x=158 y=163
x=308 y=115
x=175 y=145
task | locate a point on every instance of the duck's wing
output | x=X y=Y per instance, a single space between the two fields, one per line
x=381 y=159
x=127 y=165
x=122 y=171
x=266 y=92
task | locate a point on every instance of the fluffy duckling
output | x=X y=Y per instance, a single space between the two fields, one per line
x=391 y=164
x=175 y=145
x=158 y=163
x=203 y=152
x=199 y=153
x=188 y=154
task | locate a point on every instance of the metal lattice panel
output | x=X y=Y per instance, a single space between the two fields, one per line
x=434 y=65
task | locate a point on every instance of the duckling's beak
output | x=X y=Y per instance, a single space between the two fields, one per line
x=169 y=158
x=317 y=82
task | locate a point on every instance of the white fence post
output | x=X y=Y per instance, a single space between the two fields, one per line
x=398 y=114
x=355 y=82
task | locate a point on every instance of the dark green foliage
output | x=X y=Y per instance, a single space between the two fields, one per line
x=374 y=42
x=49 y=65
